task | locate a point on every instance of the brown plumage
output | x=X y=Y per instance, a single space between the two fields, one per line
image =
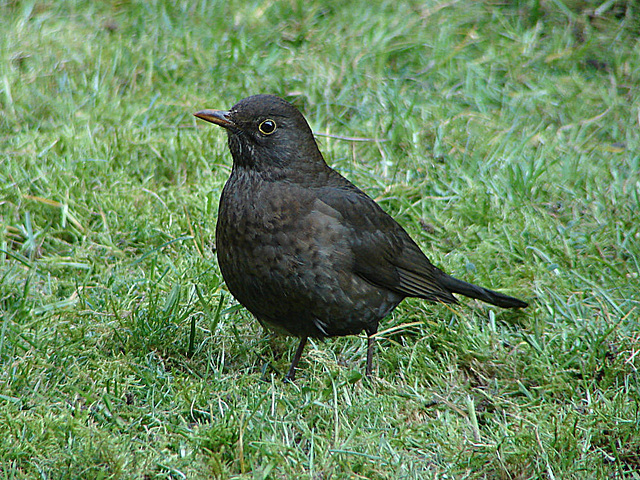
x=304 y=250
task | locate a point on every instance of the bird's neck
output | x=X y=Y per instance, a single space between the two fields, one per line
x=308 y=175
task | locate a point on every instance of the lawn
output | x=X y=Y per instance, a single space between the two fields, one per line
x=503 y=135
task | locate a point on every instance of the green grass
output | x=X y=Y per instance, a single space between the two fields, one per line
x=508 y=139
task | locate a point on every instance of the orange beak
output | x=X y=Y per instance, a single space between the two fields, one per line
x=219 y=117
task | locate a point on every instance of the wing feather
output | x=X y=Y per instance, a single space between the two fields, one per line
x=384 y=253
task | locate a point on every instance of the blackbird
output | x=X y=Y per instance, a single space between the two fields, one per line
x=308 y=253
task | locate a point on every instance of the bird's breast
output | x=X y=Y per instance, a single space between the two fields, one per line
x=287 y=257
x=271 y=229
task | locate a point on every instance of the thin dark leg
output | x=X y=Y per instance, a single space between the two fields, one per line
x=296 y=358
x=371 y=344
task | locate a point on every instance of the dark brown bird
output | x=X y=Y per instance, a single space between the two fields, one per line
x=303 y=249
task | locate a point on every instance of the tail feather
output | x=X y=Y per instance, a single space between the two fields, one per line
x=480 y=293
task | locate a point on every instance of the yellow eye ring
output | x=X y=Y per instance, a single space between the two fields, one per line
x=267 y=127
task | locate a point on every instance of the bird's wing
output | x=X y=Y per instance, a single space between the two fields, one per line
x=384 y=253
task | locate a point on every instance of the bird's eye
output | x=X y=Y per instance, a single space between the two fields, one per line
x=267 y=127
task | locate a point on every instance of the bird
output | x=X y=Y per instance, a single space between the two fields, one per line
x=303 y=249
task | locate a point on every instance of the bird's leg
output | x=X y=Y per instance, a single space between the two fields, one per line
x=371 y=344
x=290 y=376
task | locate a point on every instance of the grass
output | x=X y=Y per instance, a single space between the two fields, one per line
x=507 y=143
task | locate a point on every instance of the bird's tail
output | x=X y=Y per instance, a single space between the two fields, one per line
x=480 y=293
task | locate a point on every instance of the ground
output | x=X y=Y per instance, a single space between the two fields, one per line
x=504 y=136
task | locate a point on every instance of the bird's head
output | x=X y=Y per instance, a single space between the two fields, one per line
x=267 y=133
